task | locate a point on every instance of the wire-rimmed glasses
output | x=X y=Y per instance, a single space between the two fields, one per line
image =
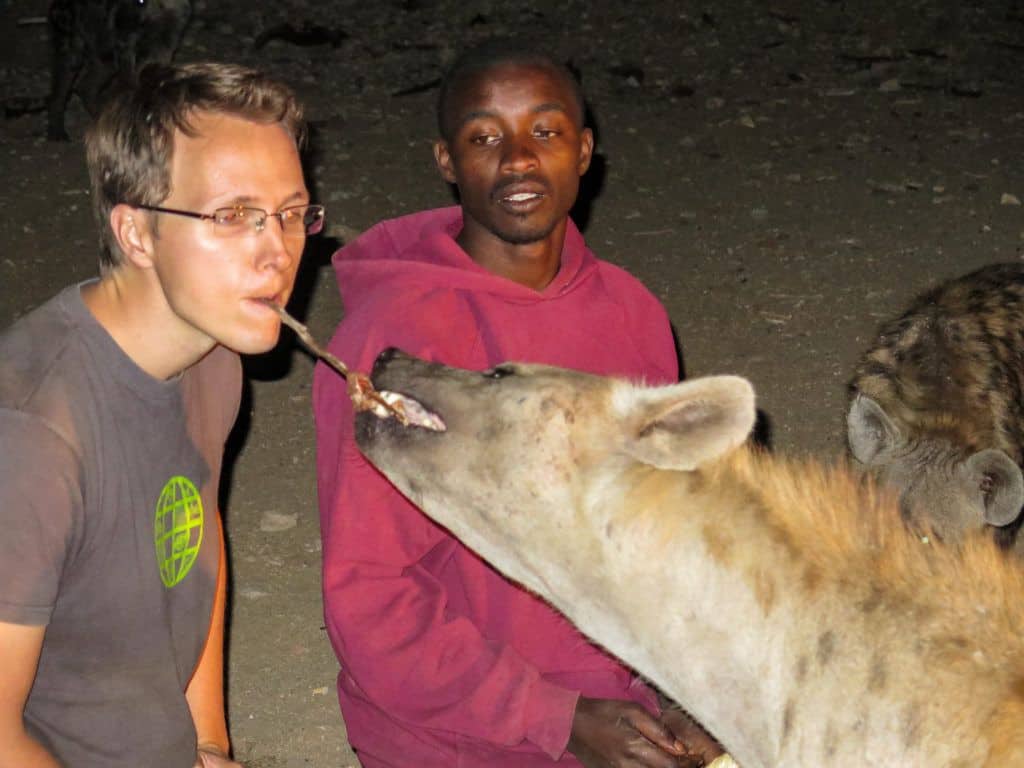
x=296 y=220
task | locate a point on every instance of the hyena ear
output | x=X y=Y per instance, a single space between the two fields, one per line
x=994 y=479
x=870 y=433
x=683 y=425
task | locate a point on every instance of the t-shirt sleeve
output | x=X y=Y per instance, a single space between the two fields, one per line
x=218 y=387
x=229 y=383
x=40 y=516
x=213 y=395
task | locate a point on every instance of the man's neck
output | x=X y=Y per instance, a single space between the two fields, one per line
x=533 y=265
x=133 y=310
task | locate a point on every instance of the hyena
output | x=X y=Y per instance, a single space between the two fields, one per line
x=95 y=42
x=937 y=405
x=782 y=604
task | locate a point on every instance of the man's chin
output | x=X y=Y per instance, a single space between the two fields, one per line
x=525 y=234
x=251 y=345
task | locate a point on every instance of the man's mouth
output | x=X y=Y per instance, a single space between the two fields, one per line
x=522 y=197
x=519 y=200
x=270 y=298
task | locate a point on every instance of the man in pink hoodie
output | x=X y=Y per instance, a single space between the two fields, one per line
x=444 y=663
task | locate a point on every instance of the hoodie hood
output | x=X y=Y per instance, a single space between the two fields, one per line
x=420 y=251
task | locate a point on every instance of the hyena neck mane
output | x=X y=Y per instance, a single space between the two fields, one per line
x=821 y=528
x=834 y=526
x=779 y=567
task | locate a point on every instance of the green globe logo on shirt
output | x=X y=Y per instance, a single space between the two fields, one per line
x=178 y=529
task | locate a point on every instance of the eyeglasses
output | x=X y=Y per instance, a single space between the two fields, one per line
x=237 y=220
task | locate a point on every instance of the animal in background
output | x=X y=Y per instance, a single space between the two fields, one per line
x=784 y=605
x=95 y=42
x=937 y=405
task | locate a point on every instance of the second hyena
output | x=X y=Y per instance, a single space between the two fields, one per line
x=96 y=42
x=937 y=405
x=784 y=605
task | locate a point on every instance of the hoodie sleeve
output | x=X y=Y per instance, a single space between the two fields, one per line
x=386 y=613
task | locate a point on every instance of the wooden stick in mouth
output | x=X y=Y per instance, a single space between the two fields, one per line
x=360 y=389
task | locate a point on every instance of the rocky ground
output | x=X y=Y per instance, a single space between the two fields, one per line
x=782 y=175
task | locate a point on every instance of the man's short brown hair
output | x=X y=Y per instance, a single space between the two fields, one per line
x=130 y=144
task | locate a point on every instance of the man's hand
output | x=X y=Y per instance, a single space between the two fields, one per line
x=607 y=733
x=212 y=757
x=699 y=747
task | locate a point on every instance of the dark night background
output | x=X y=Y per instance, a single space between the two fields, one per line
x=783 y=175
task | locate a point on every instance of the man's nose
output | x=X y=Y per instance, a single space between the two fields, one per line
x=278 y=250
x=519 y=154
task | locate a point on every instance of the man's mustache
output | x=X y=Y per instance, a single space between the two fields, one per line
x=499 y=190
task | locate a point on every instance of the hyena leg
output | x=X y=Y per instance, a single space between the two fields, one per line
x=96 y=75
x=67 y=53
x=160 y=37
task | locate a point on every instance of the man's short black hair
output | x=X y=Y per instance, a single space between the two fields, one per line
x=491 y=54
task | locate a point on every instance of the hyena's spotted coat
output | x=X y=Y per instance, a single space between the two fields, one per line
x=785 y=606
x=937 y=404
x=96 y=42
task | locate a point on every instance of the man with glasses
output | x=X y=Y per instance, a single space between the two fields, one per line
x=116 y=397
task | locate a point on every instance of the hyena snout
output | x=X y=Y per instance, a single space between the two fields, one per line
x=427 y=382
x=386 y=358
x=398 y=371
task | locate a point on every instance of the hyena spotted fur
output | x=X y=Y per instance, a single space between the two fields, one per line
x=937 y=406
x=96 y=42
x=784 y=605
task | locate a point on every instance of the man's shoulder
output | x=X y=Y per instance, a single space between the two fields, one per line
x=213 y=391
x=418 y=322
x=624 y=285
x=221 y=368
x=33 y=350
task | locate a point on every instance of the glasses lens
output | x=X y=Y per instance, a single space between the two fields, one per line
x=297 y=220
x=238 y=220
x=291 y=220
x=313 y=219
x=301 y=219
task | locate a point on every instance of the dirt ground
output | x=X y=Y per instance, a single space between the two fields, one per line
x=782 y=175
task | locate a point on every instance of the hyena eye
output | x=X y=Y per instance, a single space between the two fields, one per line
x=499 y=372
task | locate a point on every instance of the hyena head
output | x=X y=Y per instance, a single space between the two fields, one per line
x=526 y=445
x=944 y=488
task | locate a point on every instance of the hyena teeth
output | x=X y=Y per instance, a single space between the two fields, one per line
x=414 y=412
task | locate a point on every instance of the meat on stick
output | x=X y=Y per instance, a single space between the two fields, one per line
x=364 y=396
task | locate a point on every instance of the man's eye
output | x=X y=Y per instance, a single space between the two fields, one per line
x=499 y=372
x=545 y=133
x=484 y=139
x=231 y=217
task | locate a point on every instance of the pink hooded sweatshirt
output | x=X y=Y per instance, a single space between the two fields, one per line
x=443 y=662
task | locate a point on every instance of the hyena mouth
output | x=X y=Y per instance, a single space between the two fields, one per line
x=395 y=415
x=416 y=414
x=361 y=389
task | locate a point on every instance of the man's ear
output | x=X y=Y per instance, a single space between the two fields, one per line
x=586 y=150
x=131 y=228
x=443 y=158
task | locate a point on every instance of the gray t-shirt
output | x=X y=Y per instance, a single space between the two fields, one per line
x=109 y=532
